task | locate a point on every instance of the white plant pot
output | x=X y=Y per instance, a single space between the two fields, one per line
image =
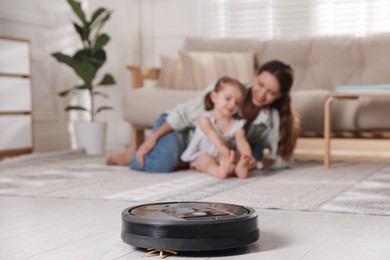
x=91 y=136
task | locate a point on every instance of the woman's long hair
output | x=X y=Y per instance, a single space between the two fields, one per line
x=289 y=121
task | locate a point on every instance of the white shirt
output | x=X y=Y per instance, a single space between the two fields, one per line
x=201 y=144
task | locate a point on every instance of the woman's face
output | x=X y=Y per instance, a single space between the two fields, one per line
x=265 y=89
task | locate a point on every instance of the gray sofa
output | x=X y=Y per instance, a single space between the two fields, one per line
x=320 y=64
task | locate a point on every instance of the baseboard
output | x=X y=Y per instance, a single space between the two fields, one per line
x=370 y=150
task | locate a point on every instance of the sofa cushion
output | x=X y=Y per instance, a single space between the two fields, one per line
x=373 y=113
x=202 y=68
x=375 y=53
x=171 y=73
x=294 y=52
x=142 y=106
x=308 y=104
x=363 y=114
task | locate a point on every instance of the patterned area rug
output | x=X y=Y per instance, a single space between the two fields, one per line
x=348 y=187
x=372 y=195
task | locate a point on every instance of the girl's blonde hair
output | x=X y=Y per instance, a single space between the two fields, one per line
x=289 y=121
x=208 y=103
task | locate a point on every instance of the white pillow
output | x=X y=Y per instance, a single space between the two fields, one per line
x=170 y=73
x=202 y=68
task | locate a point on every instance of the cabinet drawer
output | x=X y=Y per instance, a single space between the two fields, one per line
x=15 y=94
x=14 y=57
x=15 y=132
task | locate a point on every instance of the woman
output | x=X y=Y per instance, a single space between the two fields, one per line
x=270 y=124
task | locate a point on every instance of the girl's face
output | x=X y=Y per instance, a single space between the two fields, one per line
x=265 y=89
x=227 y=101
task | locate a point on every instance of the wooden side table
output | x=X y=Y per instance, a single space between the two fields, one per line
x=328 y=117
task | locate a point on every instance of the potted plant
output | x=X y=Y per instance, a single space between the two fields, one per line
x=86 y=62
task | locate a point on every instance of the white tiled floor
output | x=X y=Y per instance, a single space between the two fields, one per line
x=41 y=228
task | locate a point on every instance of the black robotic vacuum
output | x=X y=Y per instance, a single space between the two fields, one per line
x=189 y=226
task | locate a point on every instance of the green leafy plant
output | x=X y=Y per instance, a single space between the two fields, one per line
x=87 y=61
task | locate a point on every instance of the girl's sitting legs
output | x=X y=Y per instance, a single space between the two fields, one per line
x=242 y=167
x=220 y=169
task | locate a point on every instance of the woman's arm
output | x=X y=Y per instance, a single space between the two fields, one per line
x=151 y=142
x=185 y=114
x=205 y=125
x=274 y=161
x=263 y=133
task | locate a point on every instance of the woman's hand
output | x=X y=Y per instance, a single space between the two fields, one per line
x=144 y=149
x=251 y=163
x=267 y=163
x=148 y=145
x=251 y=159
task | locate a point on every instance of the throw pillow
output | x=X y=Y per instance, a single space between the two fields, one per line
x=170 y=73
x=202 y=68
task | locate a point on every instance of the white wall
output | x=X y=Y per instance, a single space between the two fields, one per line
x=164 y=25
x=141 y=31
x=42 y=21
x=158 y=25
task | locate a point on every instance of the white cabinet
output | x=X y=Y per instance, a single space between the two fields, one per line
x=16 y=117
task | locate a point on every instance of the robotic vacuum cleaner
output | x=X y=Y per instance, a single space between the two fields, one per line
x=189 y=226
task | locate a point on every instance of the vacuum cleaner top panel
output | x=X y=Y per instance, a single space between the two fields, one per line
x=189 y=211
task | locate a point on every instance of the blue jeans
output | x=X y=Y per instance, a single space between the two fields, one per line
x=257 y=152
x=165 y=154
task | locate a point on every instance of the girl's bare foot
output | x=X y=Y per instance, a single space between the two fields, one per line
x=241 y=169
x=226 y=165
x=120 y=158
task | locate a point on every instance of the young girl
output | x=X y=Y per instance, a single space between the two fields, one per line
x=219 y=133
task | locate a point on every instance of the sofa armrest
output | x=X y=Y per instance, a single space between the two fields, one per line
x=139 y=74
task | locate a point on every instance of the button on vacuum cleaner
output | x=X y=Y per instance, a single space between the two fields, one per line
x=189 y=226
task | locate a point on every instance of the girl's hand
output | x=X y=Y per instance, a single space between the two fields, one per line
x=144 y=149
